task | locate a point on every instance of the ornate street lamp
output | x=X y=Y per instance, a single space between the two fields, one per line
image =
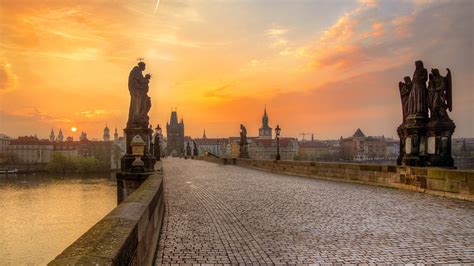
x=138 y=148
x=277 y=135
x=157 y=151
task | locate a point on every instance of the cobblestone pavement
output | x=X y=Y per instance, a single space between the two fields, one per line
x=227 y=214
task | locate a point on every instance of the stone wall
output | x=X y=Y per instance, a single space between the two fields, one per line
x=128 y=235
x=437 y=181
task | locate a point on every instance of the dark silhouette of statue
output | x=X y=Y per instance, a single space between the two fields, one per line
x=405 y=88
x=425 y=138
x=243 y=134
x=417 y=100
x=140 y=103
x=440 y=94
x=244 y=153
x=188 y=150
x=195 y=149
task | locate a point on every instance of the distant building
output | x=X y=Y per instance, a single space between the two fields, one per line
x=83 y=136
x=265 y=132
x=67 y=148
x=31 y=150
x=463 y=147
x=313 y=150
x=216 y=146
x=233 y=147
x=106 y=136
x=4 y=142
x=393 y=148
x=358 y=147
x=119 y=148
x=175 y=136
x=101 y=150
x=267 y=148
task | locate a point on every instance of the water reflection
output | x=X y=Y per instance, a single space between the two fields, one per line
x=41 y=215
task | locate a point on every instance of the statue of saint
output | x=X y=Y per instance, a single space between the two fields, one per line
x=417 y=100
x=440 y=94
x=405 y=88
x=195 y=149
x=188 y=150
x=243 y=134
x=140 y=103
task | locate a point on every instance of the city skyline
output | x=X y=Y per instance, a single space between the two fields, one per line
x=331 y=69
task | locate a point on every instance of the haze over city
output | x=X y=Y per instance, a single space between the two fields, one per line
x=327 y=67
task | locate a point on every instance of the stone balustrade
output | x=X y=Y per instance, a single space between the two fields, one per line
x=128 y=235
x=437 y=181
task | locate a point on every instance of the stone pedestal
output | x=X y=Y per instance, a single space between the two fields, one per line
x=401 y=135
x=439 y=133
x=414 y=141
x=244 y=149
x=147 y=158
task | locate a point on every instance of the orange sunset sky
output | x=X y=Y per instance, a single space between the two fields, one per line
x=327 y=67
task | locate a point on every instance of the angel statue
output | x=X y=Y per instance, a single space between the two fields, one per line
x=405 y=88
x=440 y=94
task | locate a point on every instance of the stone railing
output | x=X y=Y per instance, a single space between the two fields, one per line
x=437 y=181
x=128 y=235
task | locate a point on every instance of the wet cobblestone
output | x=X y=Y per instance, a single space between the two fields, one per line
x=218 y=214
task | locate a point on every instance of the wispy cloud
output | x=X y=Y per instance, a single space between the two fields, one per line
x=8 y=79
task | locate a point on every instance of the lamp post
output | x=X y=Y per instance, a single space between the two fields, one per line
x=157 y=147
x=138 y=148
x=277 y=135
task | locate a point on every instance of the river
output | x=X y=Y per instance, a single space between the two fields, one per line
x=40 y=215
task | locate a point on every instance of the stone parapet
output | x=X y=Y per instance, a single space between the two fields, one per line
x=128 y=235
x=437 y=181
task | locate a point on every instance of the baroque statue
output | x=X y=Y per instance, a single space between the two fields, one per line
x=244 y=153
x=440 y=94
x=417 y=99
x=140 y=103
x=426 y=131
x=405 y=88
x=243 y=134
x=195 y=149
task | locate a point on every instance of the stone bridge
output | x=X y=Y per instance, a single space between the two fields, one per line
x=227 y=214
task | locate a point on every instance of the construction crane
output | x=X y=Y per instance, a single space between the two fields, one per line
x=306 y=134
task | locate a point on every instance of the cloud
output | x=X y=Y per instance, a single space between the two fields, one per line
x=219 y=92
x=95 y=113
x=276 y=32
x=34 y=115
x=8 y=80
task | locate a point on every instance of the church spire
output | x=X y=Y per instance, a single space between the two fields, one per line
x=265 y=118
x=106 y=136
x=204 y=134
x=116 y=134
x=51 y=136
x=60 y=135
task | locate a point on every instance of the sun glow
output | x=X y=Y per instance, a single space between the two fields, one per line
x=73 y=129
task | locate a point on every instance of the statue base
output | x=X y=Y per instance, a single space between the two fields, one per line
x=401 y=135
x=128 y=159
x=414 y=141
x=244 y=151
x=439 y=134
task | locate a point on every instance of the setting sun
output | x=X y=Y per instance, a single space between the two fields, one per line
x=73 y=129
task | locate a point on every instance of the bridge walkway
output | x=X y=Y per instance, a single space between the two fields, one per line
x=226 y=214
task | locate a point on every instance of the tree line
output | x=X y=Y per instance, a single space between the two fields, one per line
x=63 y=164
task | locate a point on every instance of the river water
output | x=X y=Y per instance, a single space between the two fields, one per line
x=41 y=215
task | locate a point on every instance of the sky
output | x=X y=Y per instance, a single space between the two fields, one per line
x=325 y=67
